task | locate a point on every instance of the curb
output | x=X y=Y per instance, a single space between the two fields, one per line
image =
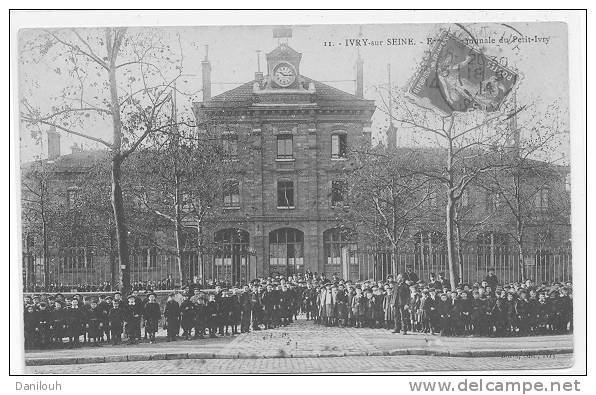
x=392 y=353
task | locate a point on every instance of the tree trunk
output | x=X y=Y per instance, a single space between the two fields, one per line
x=460 y=256
x=450 y=211
x=121 y=231
x=201 y=268
x=394 y=268
x=520 y=245
x=178 y=229
x=450 y=217
x=116 y=198
x=45 y=252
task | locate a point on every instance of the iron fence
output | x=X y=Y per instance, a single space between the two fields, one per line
x=99 y=272
x=471 y=265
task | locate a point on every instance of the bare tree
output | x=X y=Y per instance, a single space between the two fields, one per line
x=386 y=199
x=114 y=77
x=471 y=144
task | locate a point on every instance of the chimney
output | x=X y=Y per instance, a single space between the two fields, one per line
x=206 y=74
x=53 y=144
x=259 y=73
x=74 y=148
x=359 y=77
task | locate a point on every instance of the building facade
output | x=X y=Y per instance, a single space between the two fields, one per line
x=289 y=137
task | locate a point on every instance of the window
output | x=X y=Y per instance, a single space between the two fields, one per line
x=231 y=194
x=465 y=198
x=185 y=202
x=230 y=145
x=284 y=146
x=339 y=190
x=286 y=251
x=72 y=197
x=541 y=199
x=432 y=200
x=285 y=194
x=335 y=241
x=339 y=146
x=493 y=202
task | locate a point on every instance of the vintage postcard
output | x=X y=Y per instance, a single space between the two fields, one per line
x=295 y=198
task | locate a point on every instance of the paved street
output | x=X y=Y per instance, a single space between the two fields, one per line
x=408 y=363
x=305 y=339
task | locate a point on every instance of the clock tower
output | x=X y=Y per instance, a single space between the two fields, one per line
x=283 y=66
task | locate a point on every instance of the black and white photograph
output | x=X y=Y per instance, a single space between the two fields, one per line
x=296 y=198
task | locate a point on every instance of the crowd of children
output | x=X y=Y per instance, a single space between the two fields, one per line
x=410 y=305
x=404 y=304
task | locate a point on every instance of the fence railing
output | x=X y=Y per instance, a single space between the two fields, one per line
x=99 y=272
x=538 y=266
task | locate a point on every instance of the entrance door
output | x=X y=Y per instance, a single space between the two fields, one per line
x=286 y=251
x=231 y=256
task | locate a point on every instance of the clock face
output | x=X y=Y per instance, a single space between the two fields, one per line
x=284 y=75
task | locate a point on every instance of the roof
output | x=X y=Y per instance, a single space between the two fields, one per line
x=323 y=92
x=78 y=161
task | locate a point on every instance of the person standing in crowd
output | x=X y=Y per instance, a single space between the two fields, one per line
x=399 y=301
x=133 y=314
x=151 y=315
x=187 y=316
x=94 y=325
x=409 y=276
x=116 y=322
x=171 y=315
x=491 y=279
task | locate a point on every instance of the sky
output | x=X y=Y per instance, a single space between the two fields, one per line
x=542 y=64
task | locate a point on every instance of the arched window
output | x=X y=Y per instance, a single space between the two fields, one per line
x=338 y=247
x=286 y=251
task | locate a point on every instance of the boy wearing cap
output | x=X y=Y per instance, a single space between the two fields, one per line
x=358 y=307
x=171 y=315
x=94 y=325
x=444 y=311
x=151 y=315
x=187 y=316
x=75 y=319
x=133 y=314
x=212 y=315
x=200 y=317
x=116 y=322
x=58 y=323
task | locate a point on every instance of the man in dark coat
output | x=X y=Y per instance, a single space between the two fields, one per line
x=400 y=299
x=410 y=276
x=171 y=315
x=491 y=279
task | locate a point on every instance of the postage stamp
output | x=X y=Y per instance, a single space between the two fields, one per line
x=455 y=76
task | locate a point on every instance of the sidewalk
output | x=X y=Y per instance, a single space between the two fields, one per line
x=303 y=339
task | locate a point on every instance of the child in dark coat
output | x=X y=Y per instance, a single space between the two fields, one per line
x=116 y=322
x=171 y=314
x=151 y=315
